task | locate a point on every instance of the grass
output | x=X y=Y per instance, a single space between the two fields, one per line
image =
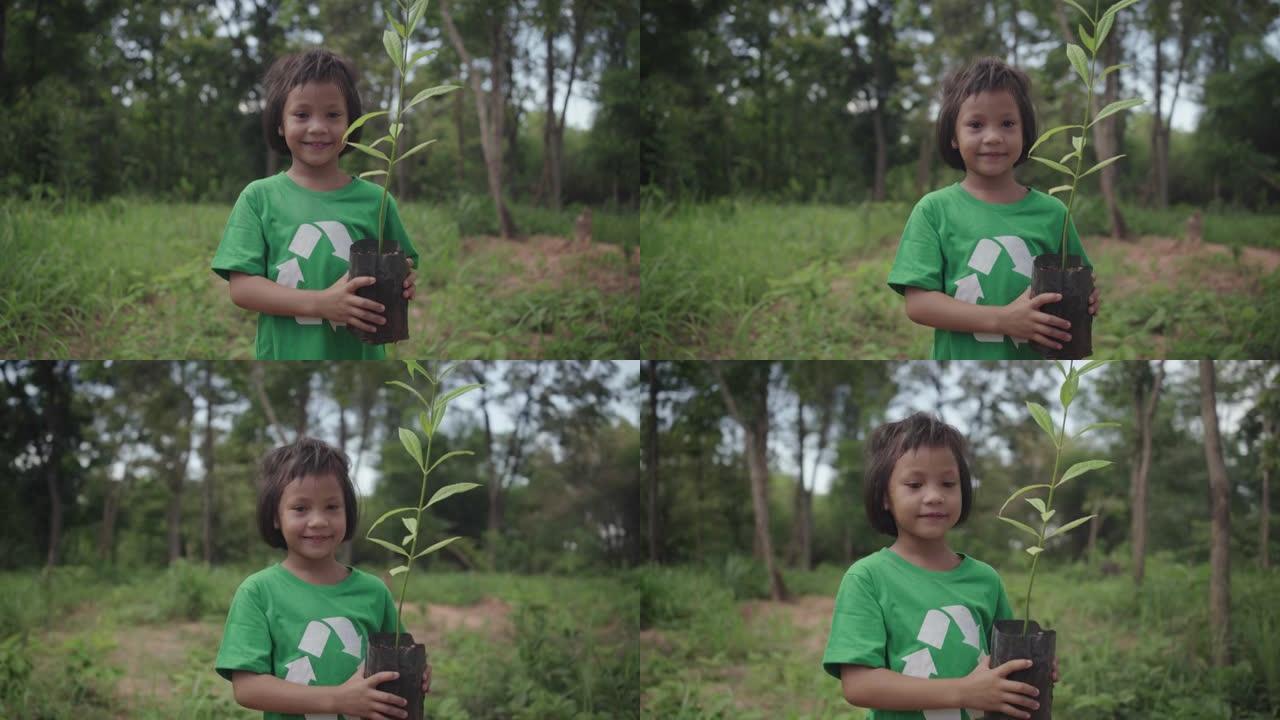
x=1123 y=653
x=130 y=279
x=83 y=643
x=760 y=280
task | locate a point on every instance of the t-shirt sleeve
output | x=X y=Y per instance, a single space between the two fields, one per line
x=396 y=231
x=246 y=641
x=919 y=259
x=244 y=241
x=858 y=635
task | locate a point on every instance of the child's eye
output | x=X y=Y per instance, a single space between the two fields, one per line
x=948 y=484
x=1009 y=123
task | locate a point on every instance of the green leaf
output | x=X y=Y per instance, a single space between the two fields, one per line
x=1044 y=420
x=414 y=367
x=1093 y=365
x=1037 y=503
x=1116 y=107
x=372 y=173
x=422 y=54
x=455 y=393
x=410 y=524
x=1078 y=61
x=1086 y=38
x=1068 y=156
x=1103 y=28
x=1117 y=7
x=1077 y=141
x=395 y=24
x=1068 y=391
x=388 y=514
x=1112 y=68
x=397 y=550
x=395 y=50
x=1033 y=551
x=395 y=129
x=416 y=13
x=1100 y=165
x=399 y=569
x=431 y=92
x=435 y=547
x=1097 y=426
x=1073 y=4
x=1059 y=188
x=407 y=539
x=1056 y=166
x=1081 y=468
x=425 y=423
x=360 y=121
x=1044 y=516
x=1020 y=526
x=446 y=456
x=1061 y=368
x=1070 y=526
x=1050 y=133
x=416 y=148
x=409 y=439
x=1021 y=491
x=449 y=490
x=370 y=151
x=417 y=394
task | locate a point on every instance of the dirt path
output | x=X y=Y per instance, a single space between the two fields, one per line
x=1152 y=260
x=809 y=615
x=560 y=262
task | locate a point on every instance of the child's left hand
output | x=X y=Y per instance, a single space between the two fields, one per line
x=408 y=292
x=1094 y=301
x=426 y=679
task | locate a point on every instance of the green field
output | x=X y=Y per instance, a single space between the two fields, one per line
x=84 y=645
x=131 y=280
x=740 y=279
x=713 y=649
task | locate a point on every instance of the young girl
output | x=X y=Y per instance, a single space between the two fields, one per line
x=909 y=635
x=286 y=246
x=297 y=632
x=964 y=261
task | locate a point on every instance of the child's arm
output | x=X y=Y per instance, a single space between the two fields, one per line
x=357 y=697
x=1021 y=318
x=338 y=303
x=983 y=689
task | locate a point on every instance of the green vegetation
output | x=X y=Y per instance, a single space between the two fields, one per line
x=131 y=280
x=712 y=653
x=761 y=280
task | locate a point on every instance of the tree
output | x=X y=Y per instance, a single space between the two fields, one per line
x=1146 y=393
x=1220 y=504
x=650 y=371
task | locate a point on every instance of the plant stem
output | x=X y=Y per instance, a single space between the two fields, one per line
x=1084 y=142
x=1053 y=483
x=417 y=524
x=391 y=161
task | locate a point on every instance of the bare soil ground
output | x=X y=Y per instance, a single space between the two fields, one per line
x=560 y=262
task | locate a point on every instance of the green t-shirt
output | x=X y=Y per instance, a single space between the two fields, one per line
x=302 y=238
x=304 y=633
x=980 y=253
x=892 y=614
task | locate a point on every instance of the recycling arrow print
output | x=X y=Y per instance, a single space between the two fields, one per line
x=303 y=244
x=313 y=641
x=982 y=260
x=933 y=631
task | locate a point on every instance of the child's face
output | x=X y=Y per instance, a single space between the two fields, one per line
x=312 y=516
x=989 y=133
x=315 y=117
x=924 y=493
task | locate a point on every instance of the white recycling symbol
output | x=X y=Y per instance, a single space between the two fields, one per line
x=303 y=244
x=314 y=638
x=985 y=254
x=932 y=633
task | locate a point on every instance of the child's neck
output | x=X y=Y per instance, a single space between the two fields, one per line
x=1001 y=189
x=322 y=179
x=928 y=554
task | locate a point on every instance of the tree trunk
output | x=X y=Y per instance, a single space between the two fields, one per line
x=1264 y=521
x=110 y=511
x=797 y=497
x=460 y=130
x=57 y=418
x=494 y=520
x=1144 y=401
x=1106 y=136
x=1153 y=176
x=206 y=519
x=924 y=160
x=489 y=107
x=882 y=153
x=651 y=460
x=1220 y=549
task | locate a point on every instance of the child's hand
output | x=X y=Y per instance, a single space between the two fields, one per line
x=426 y=680
x=341 y=305
x=990 y=689
x=1094 y=301
x=359 y=697
x=1022 y=319
x=408 y=282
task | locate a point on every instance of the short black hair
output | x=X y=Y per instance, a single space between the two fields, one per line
x=291 y=71
x=984 y=75
x=891 y=441
x=305 y=457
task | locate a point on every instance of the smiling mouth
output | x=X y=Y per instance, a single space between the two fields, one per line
x=934 y=516
x=325 y=538
x=317 y=146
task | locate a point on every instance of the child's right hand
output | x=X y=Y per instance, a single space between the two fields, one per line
x=359 y=697
x=990 y=689
x=340 y=304
x=1022 y=319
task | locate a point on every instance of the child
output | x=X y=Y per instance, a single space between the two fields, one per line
x=286 y=246
x=964 y=261
x=297 y=632
x=916 y=609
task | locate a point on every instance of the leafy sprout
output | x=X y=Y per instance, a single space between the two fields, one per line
x=429 y=421
x=396 y=41
x=1084 y=67
x=1044 y=506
